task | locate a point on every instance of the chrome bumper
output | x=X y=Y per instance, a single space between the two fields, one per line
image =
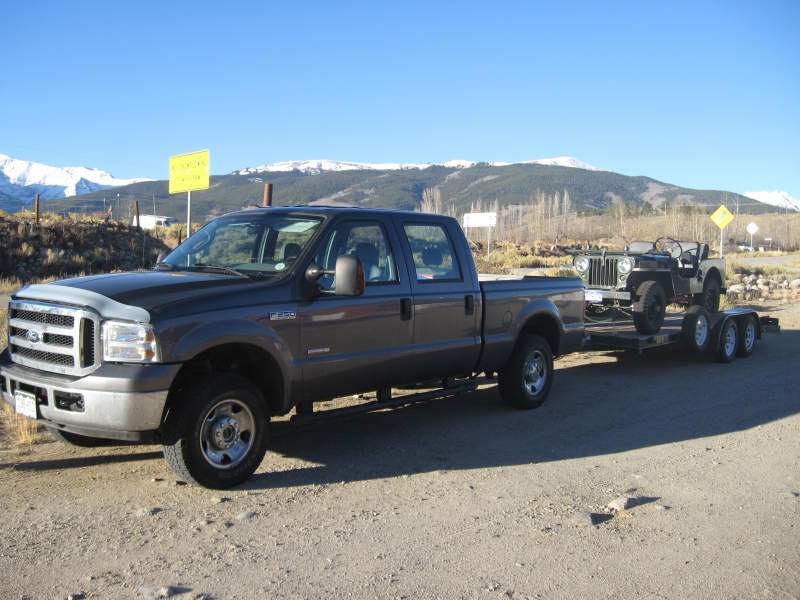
x=605 y=295
x=118 y=401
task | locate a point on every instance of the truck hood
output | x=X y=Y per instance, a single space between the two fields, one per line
x=115 y=294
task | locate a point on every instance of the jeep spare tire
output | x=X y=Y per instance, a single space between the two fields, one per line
x=650 y=307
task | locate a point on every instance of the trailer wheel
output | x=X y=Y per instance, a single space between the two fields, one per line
x=728 y=342
x=748 y=334
x=525 y=381
x=74 y=439
x=696 y=329
x=217 y=433
x=650 y=308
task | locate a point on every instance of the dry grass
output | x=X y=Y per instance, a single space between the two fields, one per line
x=9 y=285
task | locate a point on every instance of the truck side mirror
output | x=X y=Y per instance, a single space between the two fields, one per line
x=349 y=276
x=314 y=272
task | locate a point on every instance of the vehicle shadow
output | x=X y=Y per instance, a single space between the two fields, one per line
x=74 y=462
x=597 y=408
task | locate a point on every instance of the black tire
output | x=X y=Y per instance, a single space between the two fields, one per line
x=709 y=299
x=696 y=329
x=727 y=343
x=748 y=336
x=73 y=439
x=650 y=307
x=517 y=386
x=191 y=436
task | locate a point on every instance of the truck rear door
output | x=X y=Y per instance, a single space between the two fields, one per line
x=446 y=298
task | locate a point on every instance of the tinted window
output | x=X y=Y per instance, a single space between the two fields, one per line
x=368 y=242
x=434 y=256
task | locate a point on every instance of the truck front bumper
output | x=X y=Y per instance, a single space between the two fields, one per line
x=115 y=401
x=597 y=296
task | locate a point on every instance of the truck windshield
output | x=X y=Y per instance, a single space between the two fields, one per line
x=249 y=245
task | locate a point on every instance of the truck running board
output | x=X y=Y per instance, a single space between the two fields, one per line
x=386 y=401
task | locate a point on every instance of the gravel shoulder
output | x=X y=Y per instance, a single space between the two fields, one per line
x=459 y=498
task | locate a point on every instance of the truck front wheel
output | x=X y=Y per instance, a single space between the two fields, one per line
x=650 y=308
x=216 y=434
x=525 y=381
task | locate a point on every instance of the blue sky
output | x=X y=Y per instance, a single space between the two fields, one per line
x=702 y=94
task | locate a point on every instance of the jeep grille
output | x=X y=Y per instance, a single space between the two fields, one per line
x=603 y=271
x=51 y=337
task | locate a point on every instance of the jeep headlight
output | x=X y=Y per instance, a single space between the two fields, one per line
x=582 y=264
x=129 y=342
x=625 y=265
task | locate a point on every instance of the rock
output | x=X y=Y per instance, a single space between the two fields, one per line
x=76 y=596
x=621 y=503
x=154 y=592
x=582 y=519
x=220 y=499
x=245 y=516
x=795 y=284
x=147 y=511
x=736 y=289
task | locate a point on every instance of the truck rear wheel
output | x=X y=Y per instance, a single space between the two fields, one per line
x=217 y=432
x=650 y=308
x=525 y=381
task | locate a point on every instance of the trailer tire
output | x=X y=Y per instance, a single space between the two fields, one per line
x=217 y=432
x=526 y=379
x=696 y=329
x=727 y=342
x=74 y=439
x=650 y=307
x=748 y=335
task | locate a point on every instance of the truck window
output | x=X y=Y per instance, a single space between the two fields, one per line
x=368 y=242
x=434 y=256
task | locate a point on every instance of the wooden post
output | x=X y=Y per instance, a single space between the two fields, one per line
x=266 y=201
x=136 y=211
x=36 y=207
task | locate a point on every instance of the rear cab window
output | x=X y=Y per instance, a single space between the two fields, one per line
x=432 y=251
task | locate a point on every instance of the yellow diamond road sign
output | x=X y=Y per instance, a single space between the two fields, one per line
x=722 y=217
x=189 y=172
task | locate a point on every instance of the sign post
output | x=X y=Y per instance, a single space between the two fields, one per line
x=722 y=218
x=187 y=173
x=752 y=229
x=487 y=219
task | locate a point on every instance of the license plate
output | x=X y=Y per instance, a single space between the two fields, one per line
x=593 y=296
x=25 y=403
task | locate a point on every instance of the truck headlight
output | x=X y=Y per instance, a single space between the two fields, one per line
x=129 y=342
x=625 y=265
x=582 y=264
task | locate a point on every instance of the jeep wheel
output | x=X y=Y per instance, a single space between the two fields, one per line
x=650 y=308
x=748 y=334
x=73 y=439
x=696 y=329
x=709 y=299
x=728 y=342
x=217 y=432
x=525 y=381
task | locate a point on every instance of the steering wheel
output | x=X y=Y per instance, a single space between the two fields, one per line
x=661 y=245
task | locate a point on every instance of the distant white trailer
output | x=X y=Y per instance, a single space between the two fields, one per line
x=153 y=221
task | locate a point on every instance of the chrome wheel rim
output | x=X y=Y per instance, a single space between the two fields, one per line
x=730 y=341
x=749 y=336
x=534 y=373
x=227 y=434
x=701 y=331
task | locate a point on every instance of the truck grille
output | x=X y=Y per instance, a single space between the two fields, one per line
x=603 y=271
x=51 y=337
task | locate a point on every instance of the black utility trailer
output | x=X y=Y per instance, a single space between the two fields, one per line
x=725 y=334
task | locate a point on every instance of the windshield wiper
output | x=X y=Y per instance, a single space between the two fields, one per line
x=219 y=268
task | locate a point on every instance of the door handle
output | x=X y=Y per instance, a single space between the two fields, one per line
x=469 y=304
x=405 y=309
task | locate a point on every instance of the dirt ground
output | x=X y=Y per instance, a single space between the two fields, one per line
x=458 y=498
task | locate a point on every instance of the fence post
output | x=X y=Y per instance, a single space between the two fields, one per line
x=136 y=211
x=266 y=200
x=36 y=205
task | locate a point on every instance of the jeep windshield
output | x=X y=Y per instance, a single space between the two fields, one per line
x=251 y=245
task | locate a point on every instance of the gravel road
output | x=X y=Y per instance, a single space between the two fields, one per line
x=459 y=498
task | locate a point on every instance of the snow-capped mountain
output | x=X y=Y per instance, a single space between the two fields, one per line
x=323 y=165
x=21 y=179
x=777 y=198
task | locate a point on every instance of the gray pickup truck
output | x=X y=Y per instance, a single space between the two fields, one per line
x=265 y=310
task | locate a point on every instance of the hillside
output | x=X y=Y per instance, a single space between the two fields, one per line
x=458 y=188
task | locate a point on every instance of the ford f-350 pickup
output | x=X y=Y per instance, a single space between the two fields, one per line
x=264 y=310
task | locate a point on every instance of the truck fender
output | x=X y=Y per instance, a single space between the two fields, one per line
x=546 y=310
